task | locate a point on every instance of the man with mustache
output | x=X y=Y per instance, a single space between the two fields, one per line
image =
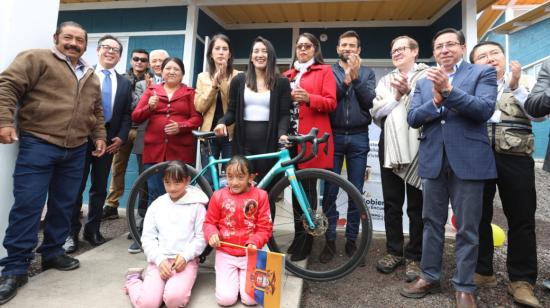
x=58 y=98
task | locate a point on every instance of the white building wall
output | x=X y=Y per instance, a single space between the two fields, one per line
x=23 y=25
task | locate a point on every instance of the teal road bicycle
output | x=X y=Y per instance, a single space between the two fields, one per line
x=333 y=193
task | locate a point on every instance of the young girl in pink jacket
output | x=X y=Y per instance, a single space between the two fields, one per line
x=237 y=214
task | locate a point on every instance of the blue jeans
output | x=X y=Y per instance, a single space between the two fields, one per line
x=42 y=169
x=219 y=146
x=155 y=185
x=355 y=149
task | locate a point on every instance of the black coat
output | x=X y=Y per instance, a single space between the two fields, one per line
x=279 y=112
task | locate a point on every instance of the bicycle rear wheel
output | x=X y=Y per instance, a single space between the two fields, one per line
x=139 y=196
x=352 y=223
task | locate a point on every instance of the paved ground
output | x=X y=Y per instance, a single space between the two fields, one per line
x=99 y=281
x=365 y=287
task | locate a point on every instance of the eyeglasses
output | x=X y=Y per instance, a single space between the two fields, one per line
x=447 y=45
x=138 y=59
x=399 y=50
x=484 y=57
x=304 y=46
x=110 y=48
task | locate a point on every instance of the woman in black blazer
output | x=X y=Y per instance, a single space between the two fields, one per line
x=259 y=105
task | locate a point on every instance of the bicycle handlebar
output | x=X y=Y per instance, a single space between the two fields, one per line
x=302 y=139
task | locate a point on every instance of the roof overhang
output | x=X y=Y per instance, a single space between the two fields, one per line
x=242 y=14
x=539 y=13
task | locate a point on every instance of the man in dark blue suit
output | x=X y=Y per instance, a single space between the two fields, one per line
x=452 y=105
x=116 y=97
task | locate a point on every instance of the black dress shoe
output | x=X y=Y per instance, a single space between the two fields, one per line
x=350 y=248
x=110 y=212
x=71 y=244
x=9 y=286
x=62 y=262
x=94 y=239
x=328 y=252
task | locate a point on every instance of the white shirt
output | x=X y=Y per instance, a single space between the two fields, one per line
x=520 y=94
x=172 y=228
x=256 y=105
x=101 y=75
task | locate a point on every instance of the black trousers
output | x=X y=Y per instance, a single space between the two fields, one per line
x=256 y=143
x=516 y=186
x=393 y=191
x=98 y=168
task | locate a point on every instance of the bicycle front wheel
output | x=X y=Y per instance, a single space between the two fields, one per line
x=340 y=215
x=139 y=197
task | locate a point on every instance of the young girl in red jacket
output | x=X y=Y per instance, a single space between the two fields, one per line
x=237 y=214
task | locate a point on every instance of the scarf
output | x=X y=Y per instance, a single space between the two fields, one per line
x=400 y=140
x=295 y=83
x=301 y=68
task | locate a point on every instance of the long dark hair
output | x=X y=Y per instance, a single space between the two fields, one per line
x=318 y=55
x=176 y=171
x=211 y=63
x=271 y=71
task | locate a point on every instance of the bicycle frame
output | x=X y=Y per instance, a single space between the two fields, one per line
x=282 y=156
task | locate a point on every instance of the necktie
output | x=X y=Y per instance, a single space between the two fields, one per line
x=106 y=95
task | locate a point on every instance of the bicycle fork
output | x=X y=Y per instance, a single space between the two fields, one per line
x=300 y=194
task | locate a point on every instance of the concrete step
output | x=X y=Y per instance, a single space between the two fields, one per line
x=100 y=279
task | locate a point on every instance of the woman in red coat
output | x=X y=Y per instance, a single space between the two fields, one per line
x=169 y=107
x=314 y=97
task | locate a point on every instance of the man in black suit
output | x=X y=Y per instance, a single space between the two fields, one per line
x=117 y=97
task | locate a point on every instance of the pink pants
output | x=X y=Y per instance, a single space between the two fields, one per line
x=153 y=290
x=230 y=279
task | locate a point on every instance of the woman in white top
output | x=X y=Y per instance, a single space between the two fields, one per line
x=259 y=105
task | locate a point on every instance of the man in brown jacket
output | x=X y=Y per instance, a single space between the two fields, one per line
x=59 y=105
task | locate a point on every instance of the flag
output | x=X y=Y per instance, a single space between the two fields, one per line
x=264 y=277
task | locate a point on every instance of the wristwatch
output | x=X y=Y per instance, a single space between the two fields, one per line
x=445 y=93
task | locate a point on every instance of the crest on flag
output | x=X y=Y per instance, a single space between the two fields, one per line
x=264 y=277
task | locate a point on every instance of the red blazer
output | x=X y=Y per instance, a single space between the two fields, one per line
x=238 y=219
x=158 y=146
x=320 y=84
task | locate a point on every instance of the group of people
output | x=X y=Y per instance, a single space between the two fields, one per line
x=450 y=133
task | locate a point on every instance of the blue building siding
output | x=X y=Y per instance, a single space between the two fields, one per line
x=527 y=46
x=172 y=43
x=530 y=44
x=541 y=130
x=375 y=42
x=129 y=20
x=241 y=41
x=451 y=19
x=208 y=26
